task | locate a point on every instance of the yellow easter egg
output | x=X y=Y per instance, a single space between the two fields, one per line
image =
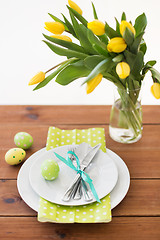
x=15 y=156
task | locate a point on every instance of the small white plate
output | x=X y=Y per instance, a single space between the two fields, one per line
x=32 y=199
x=102 y=171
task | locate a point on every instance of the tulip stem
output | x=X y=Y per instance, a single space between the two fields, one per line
x=131 y=112
x=56 y=66
x=67 y=31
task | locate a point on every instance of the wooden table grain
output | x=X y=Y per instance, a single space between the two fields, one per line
x=136 y=217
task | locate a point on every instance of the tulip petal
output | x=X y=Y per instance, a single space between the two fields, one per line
x=57 y=20
x=125 y=24
x=116 y=45
x=39 y=77
x=97 y=27
x=54 y=27
x=92 y=84
x=52 y=75
x=155 y=90
x=123 y=70
x=62 y=37
x=75 y=6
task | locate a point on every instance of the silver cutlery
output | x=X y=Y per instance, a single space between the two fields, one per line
x=81 y=151
x=84 y=164
x=77 y=194
x=85 y=191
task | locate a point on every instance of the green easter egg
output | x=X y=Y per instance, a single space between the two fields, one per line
x=50 y=169
x=15 y=156
x=23 y=140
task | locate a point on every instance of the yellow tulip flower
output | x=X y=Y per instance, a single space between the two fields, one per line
x=123 y=70
x=93 y=83
x=75 y=6
x=39 y=77
x=62 y=37
x=125 y=24
x=97 y=27
x=116 y=45
x=54 y=27
x=155 y=90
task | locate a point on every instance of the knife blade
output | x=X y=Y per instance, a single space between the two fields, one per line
x=84 y=164
x=89 y=157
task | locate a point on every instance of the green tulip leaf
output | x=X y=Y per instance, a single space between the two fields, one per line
x=72 y=72
x=100 y=50
x=99 y=46
x=123 y=18
x=113 y=79
x=104 y=38
x=136 y=43
x=111 y=33
x=87 y=43
x=66 y=44
x=94 y=40
x=150 y=63
x=110 y=77
x=69 y=26
x=94 y=11
x=130 y=57
x=78 y=16
x=52 y=75
x=81 y=32
x=128 y=36
x=143 y=47
x=92 y=61
x=103 y=66
x=132 y=85
x=138 y=64
x=147 y=66
x=155 y=73
x=117 y=26
x=140 y=24
x=65 y=52
x=118 y=58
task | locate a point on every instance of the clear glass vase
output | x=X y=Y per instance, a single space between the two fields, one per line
x=126 y=116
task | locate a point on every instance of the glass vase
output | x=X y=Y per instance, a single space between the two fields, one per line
x=126 y=116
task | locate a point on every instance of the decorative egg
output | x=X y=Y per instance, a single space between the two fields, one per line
x=23 y=140
x=50 y=169
x=15 y=156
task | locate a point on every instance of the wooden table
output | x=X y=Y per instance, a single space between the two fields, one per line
x=136 y=217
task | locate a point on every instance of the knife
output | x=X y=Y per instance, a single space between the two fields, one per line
x=84 y=164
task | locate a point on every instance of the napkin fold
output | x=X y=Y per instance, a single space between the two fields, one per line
x=90 y=213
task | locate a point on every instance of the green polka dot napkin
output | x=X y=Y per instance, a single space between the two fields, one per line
x=90 y=213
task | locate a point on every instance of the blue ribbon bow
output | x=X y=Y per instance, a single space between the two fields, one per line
x=83 y=174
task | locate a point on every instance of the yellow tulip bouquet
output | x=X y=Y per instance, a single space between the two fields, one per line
x=116 y=55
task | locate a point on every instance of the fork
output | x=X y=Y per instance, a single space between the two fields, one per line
x=76 y=193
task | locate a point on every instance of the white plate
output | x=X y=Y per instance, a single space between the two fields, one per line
x=102 y=171
x=32 y=199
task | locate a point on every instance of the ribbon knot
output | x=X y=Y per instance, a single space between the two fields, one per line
x=83 y=174
x=79 y=171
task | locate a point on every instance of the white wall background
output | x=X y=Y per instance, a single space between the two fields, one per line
x=22 y=53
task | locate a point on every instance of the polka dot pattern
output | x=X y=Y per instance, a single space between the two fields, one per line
x=90 y=213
